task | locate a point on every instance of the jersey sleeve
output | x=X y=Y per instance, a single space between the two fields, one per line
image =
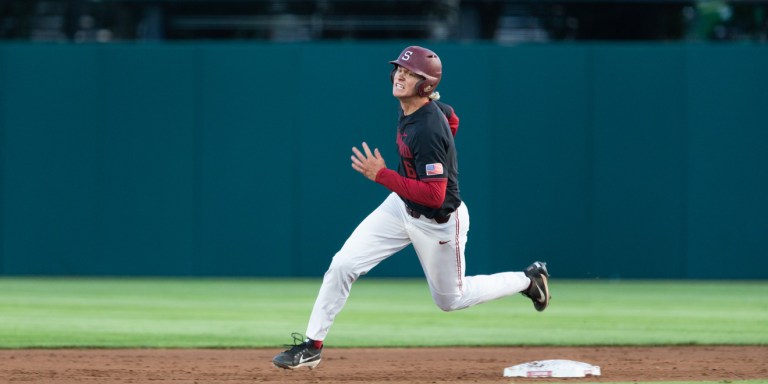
x=430 y=154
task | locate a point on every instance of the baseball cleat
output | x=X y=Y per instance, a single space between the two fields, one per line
x=538 y=291
x=301 y=354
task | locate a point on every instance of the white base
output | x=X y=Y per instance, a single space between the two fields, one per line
x=552 y=368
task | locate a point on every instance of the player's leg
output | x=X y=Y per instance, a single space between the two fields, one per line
x=377 y=237
x=441 y=252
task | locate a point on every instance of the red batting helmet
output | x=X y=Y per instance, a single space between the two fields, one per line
x=422 y=62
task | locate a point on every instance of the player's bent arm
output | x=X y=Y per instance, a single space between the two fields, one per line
x=453 y=122
x=430 y=194
x=450 y=114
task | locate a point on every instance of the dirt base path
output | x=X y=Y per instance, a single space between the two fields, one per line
x=383 y=365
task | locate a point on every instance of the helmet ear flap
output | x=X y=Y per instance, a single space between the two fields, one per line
x=423 y=88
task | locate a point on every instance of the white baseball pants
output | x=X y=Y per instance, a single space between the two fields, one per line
x=440 y=248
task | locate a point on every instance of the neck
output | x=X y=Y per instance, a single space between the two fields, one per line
x=411 y=105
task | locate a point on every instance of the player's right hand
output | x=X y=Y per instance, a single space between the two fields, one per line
x=368 y=163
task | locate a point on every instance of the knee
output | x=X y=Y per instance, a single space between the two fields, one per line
x=447 y=303
x=343 y=268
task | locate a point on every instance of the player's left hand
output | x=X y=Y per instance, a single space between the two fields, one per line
x=368 y=163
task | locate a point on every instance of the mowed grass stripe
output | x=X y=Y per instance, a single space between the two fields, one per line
x=190 y=313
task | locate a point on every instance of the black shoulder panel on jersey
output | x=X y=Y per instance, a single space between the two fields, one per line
x=447 y=109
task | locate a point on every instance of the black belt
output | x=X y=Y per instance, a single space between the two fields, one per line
x=438 y=219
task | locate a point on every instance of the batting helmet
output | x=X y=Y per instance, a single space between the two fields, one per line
x=422 y=62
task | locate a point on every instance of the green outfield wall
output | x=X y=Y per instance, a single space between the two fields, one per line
x=606 y=160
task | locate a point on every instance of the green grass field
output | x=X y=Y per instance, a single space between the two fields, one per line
x=187 y=313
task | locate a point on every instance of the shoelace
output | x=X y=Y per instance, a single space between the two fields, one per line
x=298 y=342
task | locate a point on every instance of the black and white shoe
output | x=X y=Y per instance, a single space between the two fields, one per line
x=302 y=354
x=538 y=291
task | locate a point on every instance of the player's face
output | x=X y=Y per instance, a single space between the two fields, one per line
x=404 y=84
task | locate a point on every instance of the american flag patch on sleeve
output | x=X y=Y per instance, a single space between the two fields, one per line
x=434 y=169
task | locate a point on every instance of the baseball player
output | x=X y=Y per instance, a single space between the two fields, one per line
x=424 y=209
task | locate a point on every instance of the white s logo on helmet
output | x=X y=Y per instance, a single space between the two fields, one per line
x=407 y=55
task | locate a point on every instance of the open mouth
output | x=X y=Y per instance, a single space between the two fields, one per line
x=399 y=86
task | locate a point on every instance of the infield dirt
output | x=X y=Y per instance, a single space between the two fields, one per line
x=379 y=365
